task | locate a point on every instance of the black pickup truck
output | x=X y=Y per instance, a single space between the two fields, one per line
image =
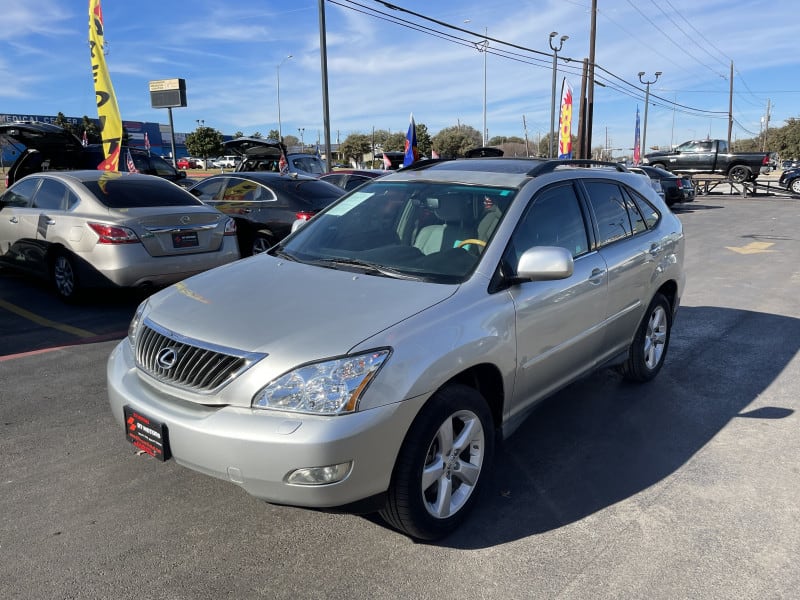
x=710 y=156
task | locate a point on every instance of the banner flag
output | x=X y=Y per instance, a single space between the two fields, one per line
x=146 y=142
x=107 y=108
x=637 y=153
x=411 y=154
x=130 y=164
x=565 y=121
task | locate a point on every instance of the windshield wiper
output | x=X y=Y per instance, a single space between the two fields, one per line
x=279 y=253
x=370 y=267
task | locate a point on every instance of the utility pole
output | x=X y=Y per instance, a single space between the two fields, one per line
x=590 y=97
x=730 y=109
x=766 y=128
x=646 y=104
x=525 y=129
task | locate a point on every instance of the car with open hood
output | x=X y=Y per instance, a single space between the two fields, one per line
x=257 y=154
x=370 y=360
x=47 y=147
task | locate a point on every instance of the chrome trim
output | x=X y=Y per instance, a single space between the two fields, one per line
x=198 y=366
x=168 y=228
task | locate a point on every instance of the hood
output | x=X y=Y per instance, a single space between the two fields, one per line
x=269 y=305
x=248 y=147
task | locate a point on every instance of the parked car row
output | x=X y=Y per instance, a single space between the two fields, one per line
x=671 y=187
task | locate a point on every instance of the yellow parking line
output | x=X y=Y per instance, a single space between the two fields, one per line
x=26 y=314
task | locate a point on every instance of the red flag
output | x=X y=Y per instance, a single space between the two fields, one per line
x=131 y=165
x=387 y=163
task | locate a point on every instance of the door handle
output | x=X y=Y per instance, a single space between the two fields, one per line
x=597 y=275
x=655 y=249
x=14 y=220
x=50 y=222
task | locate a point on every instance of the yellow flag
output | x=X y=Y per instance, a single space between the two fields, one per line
x=107 y=108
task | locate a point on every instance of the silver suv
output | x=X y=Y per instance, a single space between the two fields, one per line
x=370 y=360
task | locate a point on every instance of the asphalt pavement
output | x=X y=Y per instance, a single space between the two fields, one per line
x=687 y=487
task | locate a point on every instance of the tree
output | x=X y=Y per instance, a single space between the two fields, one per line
x=291 y=140
x=92 y=130
x=453 y=142
x=61 y=121
x=394 y=142
x=257 y=135
x=499 y=140
x=274 y=135
x=355 y=147
x=205 y=142
x=424 y=142
x=238 y=134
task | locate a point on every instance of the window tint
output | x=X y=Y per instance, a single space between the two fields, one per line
x=209 y=189
x=637 y=221
x=21 y=194
x=649 y=214
x=52 y=195
x=246 y=190
x=317 y=194
x=613 y=222
x=161 y=167
x=554 y=219
x=127 y=192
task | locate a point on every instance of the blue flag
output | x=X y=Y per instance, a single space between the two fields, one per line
x=411 y=154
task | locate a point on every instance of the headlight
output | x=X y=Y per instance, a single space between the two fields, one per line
x=330 y=387
x=133 y=328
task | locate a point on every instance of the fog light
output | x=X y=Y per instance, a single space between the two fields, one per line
x=320 y=475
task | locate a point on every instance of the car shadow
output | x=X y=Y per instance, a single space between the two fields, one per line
x=603 y=440
x=689 y=207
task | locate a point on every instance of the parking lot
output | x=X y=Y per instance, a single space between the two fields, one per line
x=686 y=487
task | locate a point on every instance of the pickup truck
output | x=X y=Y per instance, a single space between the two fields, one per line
x=710 y=156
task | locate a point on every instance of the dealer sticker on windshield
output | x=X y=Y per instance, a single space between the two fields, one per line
x=147 y=434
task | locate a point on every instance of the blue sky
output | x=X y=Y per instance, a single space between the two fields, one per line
x=380 y=71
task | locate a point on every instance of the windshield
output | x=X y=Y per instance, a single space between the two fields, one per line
x=433 y=232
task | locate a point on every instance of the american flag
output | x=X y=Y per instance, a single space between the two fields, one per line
x=146 y=142
x=84 y=140
x=387 y=163
x=283 y=166
x=131 y=165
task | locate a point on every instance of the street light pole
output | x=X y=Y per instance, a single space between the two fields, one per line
x=484 y=48
x=555 y=50
x=646 y=104
x=278 y=71
x=300 y=130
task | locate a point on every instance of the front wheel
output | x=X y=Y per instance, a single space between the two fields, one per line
x=739 y=174
x=649 y=348
x=795 y=186
x=442 y=464
x=261 y=243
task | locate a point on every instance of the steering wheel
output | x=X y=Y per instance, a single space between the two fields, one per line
x=463 y=243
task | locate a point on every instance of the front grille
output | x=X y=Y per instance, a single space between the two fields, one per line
x=188 y=363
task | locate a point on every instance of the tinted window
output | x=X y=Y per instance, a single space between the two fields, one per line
x=246 y=190
x=609 y=208
x=52 y=195
x=317 y=194
x=554 y=219
x=209 y=189
x=125 y=192
x=637 y=221
x=649 y=214
x=21 y=194
x=309 y=164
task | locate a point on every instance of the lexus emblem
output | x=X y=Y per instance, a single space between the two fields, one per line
x=167 y=357
x=185 y=219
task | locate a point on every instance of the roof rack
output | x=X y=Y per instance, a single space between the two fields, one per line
x=551 y=165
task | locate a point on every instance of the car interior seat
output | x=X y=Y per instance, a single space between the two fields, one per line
x=454 y=212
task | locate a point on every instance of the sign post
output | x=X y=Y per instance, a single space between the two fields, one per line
x=168 y=93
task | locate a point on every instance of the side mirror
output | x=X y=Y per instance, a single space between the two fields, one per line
x=544 y=263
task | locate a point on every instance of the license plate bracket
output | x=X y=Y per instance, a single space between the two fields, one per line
x=185 y=239
x=147 y=434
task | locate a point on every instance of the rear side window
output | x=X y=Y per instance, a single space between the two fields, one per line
x=209 y=189
x=52 y=195
x=125 y=192
x=317 y=194
x=613 y=222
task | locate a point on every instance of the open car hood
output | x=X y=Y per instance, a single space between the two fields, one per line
x=248 y=147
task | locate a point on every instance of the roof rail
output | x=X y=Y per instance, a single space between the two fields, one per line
x=551 y=165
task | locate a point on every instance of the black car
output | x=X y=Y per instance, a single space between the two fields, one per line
x=790 y=179
x=265 y=204
x=671 y=184
x=349 y=179
x=47 y=147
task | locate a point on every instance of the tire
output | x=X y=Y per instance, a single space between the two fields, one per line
x=739 y=174
x=795 y=186
x=261 y=243
x=64 y=277
x=649 y=347
x=442 y=464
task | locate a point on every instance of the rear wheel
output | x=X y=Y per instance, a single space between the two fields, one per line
x=261 y=243
x=442 y=464
x=739 y=174
x=649 y=348
x=795 y=186
x=64 y=277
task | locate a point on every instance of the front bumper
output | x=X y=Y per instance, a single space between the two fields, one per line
x=256 y=449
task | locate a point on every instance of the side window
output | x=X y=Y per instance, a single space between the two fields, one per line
x=208 y=190
x=613 y=222
x=158 y=166
x=245 y=190
x=52 y=195
x=637 y=220
x=72 y=200
x=648 y=212
x=553 y=219
x=21 y=195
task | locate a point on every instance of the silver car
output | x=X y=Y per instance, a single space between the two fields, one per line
x=370 y=360
x=84 y=229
